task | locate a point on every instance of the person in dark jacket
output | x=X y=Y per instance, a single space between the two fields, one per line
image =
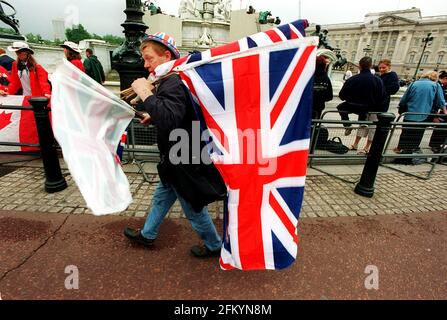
x=322 y=90
x=390 y=81
x=93 y=67
x=5 y=60
x=169 y=107
x=361 y=93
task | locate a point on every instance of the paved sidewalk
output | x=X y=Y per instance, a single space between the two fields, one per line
x=325 y=196
x=335 y=259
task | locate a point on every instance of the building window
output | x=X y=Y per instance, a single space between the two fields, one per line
x=353 y=56
x=374 y=43
x=346 y=43
x=440 y=58
x=411 y=60
x=425 y=58
x=416 y=42
x=393 y=42
x=383 y=43
x=445 y=42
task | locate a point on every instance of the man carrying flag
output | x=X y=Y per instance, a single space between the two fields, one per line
x=169 y=108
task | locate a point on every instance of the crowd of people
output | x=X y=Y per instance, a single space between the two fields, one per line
x=24 y=76
x=369 y=92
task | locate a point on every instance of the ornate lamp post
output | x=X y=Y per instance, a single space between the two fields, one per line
x=367 y=50
x=127 y=58
x=426 y=41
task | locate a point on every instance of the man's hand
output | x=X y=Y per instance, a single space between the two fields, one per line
x=3 y=93
x=146 y=120
x=143 y=88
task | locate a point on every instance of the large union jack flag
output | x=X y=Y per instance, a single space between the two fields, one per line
x=255 y=98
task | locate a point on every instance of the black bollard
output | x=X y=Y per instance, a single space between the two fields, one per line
x=54 y=182
x=365 y=187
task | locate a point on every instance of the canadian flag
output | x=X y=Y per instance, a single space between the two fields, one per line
x=17 y=126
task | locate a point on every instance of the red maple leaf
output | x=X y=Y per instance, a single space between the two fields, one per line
x=5 y=120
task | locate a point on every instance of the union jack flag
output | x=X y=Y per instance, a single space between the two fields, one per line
x=255 y=97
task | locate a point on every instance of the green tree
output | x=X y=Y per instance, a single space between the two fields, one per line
x=113 y=39
x=32 y=38
x=7 y=31
x=77 y=33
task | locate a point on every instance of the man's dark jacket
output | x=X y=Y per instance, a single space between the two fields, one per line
x=364 y=89
x=171 y=108
x=391 y=83
x=6 y=62
x=94 y=69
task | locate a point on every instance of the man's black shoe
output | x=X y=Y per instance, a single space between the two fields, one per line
x=135 y=236
x=204 y=252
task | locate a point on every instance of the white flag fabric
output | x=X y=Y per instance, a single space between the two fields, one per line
x=88 y=122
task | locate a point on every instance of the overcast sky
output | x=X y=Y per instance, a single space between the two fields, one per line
x=105 y=16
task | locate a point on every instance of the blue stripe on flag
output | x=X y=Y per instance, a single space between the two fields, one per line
x=299 y=126
x=251 y=43
x=212 y=76
x=286 y=30
x=282 y=257
x=279 y=63
x=294 y=198
x=195 y=57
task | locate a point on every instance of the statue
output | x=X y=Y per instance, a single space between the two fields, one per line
x=227 y=6
x=206 y=39
x=187 y=9
x=323 y=43
x=264 y=17
x=9 y=19
x=219 y=11
x=340 y=63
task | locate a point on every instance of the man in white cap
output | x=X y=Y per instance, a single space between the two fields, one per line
x=73 y=54
x=169 y=108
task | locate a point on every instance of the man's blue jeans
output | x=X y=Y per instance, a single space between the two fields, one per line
x=164 y=198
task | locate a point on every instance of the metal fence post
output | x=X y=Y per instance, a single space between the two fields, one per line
x=54 y=182
x=366 y=185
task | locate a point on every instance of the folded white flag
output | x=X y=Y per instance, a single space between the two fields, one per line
x=88 y=121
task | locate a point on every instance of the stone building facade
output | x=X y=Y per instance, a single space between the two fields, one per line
x=395 y=35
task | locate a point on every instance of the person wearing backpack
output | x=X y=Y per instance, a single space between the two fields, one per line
x=93 y=67
x=322 y=90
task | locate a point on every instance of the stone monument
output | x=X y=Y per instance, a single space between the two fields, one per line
x=8 y=17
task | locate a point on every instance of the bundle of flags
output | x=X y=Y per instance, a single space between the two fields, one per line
x=261 y=87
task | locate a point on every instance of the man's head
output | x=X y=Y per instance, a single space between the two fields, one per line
x=443 y=77
x=88 y=52
x=321 y=64
x=157 y=49
x=365 y=63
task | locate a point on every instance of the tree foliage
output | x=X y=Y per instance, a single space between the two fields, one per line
x=77 y=33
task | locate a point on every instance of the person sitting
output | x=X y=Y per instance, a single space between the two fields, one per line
x=361 y=93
